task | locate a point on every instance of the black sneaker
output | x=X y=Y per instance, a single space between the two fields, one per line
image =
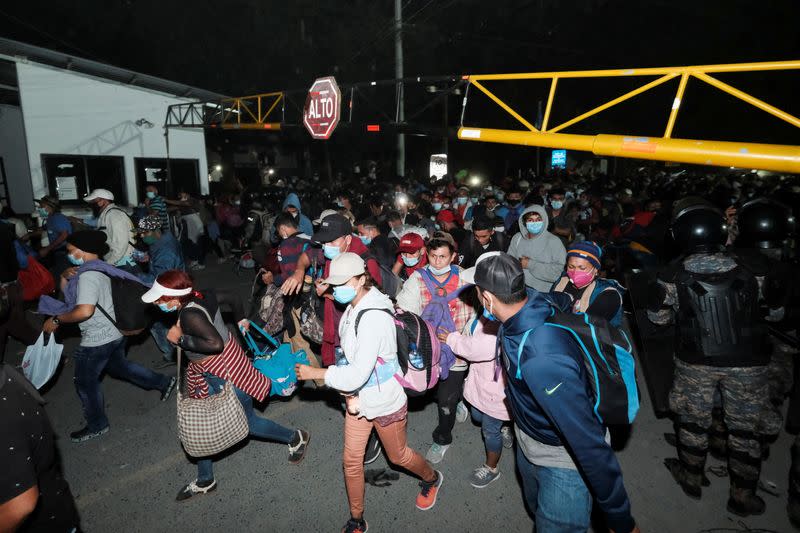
x=355 y=526
x=373 y=449
x=298 y=447
x=196 y=488
x=82 y=435
x=166 y=393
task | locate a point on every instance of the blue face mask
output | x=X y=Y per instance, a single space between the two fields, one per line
x=410 y=261
x=151 y=194
x=488 y=315
x=474 y=199
x=535 y=228
x=557 y=204
x=330 y=251
x=167 y=309
x=439 y=271
x=437 y=206
x=43 y=212
x=339 y=203
x=365 y=240
x=344 y=294
x=462 y=200
x=77 y=261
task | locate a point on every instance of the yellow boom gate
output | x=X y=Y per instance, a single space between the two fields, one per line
x=775 y=157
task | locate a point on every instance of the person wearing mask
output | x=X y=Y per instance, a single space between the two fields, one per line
x=411 y=255
x=541 y=253
x=441 y=277
x=590 y=293
x=227 y=212
x=365 y=373
x=215 y=357
x=156 y=205
x=163 y=254
x=118 y=227
x=511 y=212
x=379 y=245
x=461 y=204
x=58 y=228
x=564 y=457
x=556 y=200
x=292 y=206
x=34 y=496
x=88 y=302
x=482 y=239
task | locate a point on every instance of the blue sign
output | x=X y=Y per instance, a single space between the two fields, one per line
x=559 y=159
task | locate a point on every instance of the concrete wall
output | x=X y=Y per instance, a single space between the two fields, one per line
x=15 y=159
x=71 y=113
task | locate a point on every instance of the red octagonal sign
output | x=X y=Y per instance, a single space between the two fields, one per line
x=323 y=107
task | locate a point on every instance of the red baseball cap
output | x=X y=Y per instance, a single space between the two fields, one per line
x=446 y=216
x=410 y=243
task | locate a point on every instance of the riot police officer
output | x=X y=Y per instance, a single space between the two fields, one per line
x=712 y=297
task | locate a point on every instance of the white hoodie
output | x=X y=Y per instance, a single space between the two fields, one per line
x=376 y=337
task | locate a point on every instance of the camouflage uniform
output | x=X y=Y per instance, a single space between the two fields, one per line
x=692 y=398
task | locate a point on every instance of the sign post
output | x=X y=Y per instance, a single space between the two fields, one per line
x=323 y=108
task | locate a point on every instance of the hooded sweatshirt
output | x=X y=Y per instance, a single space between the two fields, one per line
x=303 y=222
x=550 y=403
x=545 y=252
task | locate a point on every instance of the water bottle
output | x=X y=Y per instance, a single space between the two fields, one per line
x=415 y=358
x=340 y=359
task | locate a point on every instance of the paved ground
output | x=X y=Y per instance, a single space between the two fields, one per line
x=127 y=480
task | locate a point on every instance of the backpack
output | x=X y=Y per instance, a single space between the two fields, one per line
x=268 y=305
x=391 y=283
x=413 y=334
x=130 y=310
x=608 y=356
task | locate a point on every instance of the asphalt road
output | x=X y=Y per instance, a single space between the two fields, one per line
x=127 y=480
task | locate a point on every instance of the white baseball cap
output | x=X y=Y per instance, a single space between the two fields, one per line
x=344 y=267
x=324 y=214
x=105 y=194
x=158 y=290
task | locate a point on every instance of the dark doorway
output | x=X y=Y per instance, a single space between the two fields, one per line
x=4 y=196
x=71 y=177
x=151 y=170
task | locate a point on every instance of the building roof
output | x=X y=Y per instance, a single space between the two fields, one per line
x=19 y=50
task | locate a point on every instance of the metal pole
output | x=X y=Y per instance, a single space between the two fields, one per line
x=398 y=74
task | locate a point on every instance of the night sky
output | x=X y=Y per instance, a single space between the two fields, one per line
x=240 y=47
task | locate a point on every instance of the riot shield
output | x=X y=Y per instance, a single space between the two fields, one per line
x=656 y=343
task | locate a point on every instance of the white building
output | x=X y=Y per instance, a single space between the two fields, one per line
x=69 y=125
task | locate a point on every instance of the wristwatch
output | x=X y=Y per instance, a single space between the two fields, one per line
x=56 y=321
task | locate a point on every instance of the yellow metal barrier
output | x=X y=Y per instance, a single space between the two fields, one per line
x=250 y=112
x=780 y=158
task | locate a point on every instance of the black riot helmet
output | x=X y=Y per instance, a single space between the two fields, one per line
x=698 y=226
x=763 y=224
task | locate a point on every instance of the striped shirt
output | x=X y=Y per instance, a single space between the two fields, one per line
x=159 y=207
x=231 y=365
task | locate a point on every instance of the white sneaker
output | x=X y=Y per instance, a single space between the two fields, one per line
x=462 y=413
x=436 y=453
x=508 y=437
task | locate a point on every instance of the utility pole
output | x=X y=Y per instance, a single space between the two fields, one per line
x=398 y=74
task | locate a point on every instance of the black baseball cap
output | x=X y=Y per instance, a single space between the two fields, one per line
x=496 y=272
x=331 y=228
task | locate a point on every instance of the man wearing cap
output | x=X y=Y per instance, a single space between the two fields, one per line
x=157 y=206
x=117 y=225
x=58 y=228
x=563 y=453
x=380 y=247
x=411 y=256
x=87 y=294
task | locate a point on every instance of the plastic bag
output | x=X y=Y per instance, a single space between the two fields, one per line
x=41 y=360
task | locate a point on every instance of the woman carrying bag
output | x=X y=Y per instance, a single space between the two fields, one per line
x=215 y=359
x=364 y=372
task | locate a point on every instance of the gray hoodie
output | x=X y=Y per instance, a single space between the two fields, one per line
x=546 y=255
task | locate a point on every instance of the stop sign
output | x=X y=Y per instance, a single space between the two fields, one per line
x=322 y=109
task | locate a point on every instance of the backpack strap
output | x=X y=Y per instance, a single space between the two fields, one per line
x=360 y=313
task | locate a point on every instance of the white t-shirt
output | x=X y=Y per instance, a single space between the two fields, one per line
x=94 y=288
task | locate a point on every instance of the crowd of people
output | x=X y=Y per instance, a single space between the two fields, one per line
x=485 y=264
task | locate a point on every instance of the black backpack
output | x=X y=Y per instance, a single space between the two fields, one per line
x=131 y=312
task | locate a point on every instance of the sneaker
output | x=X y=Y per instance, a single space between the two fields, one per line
x=426 y=498
x=373 y=449
x=82 y=435
x=462 y=413
x=198 y=266
x=166 y=393
x=436 y=453
x=196 y=488
x=482 y=476
x=355 y=526
x=298 y=451
x=508 y=437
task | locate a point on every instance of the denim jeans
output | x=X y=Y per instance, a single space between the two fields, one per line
x=557 y=497
x=262 y=428
x=91 y=362
x=490 y=429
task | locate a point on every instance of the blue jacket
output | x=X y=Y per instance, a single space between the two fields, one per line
x=165 y=254
x=303 y=222
x=549 y=397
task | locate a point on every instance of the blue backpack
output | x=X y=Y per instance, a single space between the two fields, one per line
x=608 y=356
x=275 y=360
